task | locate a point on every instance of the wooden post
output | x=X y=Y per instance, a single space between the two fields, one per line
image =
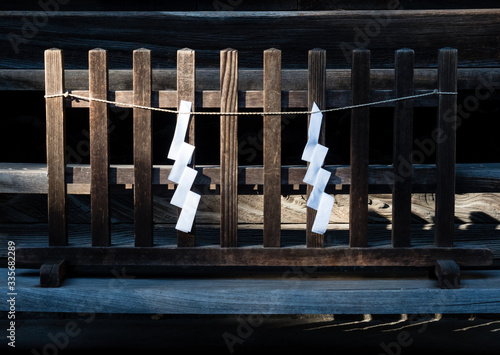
x=186 y=92
x=56 y=145
x=316 y=93
x=402 y=148
x=99 y=148
x=143 y=203
x=229 y=148
x=272 y=148
x=360 y=119
x=445 y=153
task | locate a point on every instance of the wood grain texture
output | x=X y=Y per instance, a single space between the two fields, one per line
x=186 y=79
x=143 y=201
x=32 y=178
x=207 y=79
x=358 y=207
x=316 y=94
x=402 y=149
x=229 y=148
x=316 y=293
x=256 y=256
x=448 y=274
x=272 y=148
x=472 y=32
x=99 y=148
x=56 y=155
x=446 y=147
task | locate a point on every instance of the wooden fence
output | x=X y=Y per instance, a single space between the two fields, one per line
x=229 y=175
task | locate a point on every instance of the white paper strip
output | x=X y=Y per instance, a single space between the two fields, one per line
x=180 y=129
x=319 y=187
x=316 y=162
x=188 y=212
x=185 y=184
x=313 y=133
x=323 y=214
x=182 y=160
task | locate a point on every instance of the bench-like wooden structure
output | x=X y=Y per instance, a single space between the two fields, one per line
x=229 y=176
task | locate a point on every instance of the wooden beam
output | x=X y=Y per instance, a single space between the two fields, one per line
x=143 y=161
x=473 y=32
x=446 y=148
x=358 y=202
x=56 y=147
x=32 y=178
x=257 y=256
x=99 y=148
x=229 y=148
x=272 y=148
x=316 y=94
x=186 y=79
x=402 y=149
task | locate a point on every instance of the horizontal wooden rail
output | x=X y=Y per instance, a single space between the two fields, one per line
x=32 y=178
x=249 y=79
x=217 y=256
x=473 y=32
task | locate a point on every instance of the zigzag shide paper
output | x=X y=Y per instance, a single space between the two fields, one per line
x=181 y=173
x=316 y=176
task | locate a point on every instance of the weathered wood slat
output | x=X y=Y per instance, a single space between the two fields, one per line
x=446 y=147
x=402 y=149
x=143 y=160
x=186 y=91
x=99 y=148
x=316 y=94
x=252 y=99
x=472 y=32
x=32 y=178
x=358 y=207
x=272 y=148
x=56 y=138
x=248 y=79
x=229 y=148
x=337 y=234
x=258 y=256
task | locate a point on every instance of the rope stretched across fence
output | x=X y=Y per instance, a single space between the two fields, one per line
x=68 y=94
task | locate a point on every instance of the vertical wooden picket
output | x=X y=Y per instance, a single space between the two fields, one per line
x=316 y=93
x=272 y=148
x=186 y=91
x=143 y=164
x=229 y=148
x=446 y=147
x=360 y=120
x=99 y=148
x=56 y=145
x=402 y=148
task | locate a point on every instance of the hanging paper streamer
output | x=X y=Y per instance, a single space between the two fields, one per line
x=315 y=154
x=181 y=173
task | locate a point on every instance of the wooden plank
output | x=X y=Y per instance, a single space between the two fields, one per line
x=448 y=274
x=473 y=32
x=316 y=94
x=186 y=80
x=446 y=148
x=256 y=256
x=229 y=148
x=317 y=294
x=248 y=79
x=308 y=5
x=402 y=149
x=241 y=5
x=56 y=138
x=143 y=199
x=272 y=148
x=32 y=178
x=358 y=203
x=99 y=148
